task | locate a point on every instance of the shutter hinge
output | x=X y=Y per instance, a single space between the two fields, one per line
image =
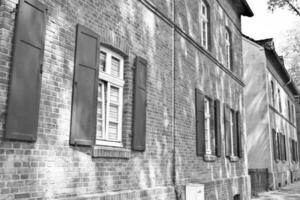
x=41 y=68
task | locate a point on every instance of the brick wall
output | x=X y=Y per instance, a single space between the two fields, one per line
x=52 y=169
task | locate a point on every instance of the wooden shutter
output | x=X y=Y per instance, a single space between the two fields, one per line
x=274 y=144
x=200 y=132
x=212 y=125
x=85 y=84
x=28 y=52
x=140 y=102
x=239 y=134
x=291 y=149
x=227 y=130
x=218 y=136
x=234 y=135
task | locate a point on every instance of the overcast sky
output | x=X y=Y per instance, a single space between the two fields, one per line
x=266 y=24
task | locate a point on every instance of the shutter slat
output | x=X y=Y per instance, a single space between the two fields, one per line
x=200 y=132
x=85 y=84
x=218 y=136
x=24 y=91
x=140 y=103
x=227 y=130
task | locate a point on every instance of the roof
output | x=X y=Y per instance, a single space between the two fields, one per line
x=247 y=10
x=268 y=45
x=243 y=7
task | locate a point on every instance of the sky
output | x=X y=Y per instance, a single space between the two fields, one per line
x=266 y=24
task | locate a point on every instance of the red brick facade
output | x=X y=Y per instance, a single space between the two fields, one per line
x=51 y=168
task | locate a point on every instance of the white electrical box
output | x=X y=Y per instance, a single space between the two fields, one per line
x=194 y=192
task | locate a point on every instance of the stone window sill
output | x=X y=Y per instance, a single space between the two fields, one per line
x=209 y=158
x=110 y=152
x=234 y=159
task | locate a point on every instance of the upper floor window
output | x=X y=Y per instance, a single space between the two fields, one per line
x=273 y=93
x=204 y=24
x=228 y=49
x=110 y=98
x=232 y=130
x=279 y=101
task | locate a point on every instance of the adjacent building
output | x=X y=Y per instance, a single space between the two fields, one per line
x=270 y=100
x=122 y=99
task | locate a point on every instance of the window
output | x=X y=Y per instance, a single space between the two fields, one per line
x=279 y=101
x=232 y=124
x=204 y=24
x=228 y=49
x=273 y=93
x=289 y=109
x=110 y=99
x=207 y=119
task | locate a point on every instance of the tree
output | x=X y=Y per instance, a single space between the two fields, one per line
x=292 y=5
x=290 y=50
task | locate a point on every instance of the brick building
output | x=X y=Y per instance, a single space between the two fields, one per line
x=130 y=99
x=270 y=100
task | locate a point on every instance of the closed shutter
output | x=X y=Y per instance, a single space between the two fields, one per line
x=227 y=130
x=140 y=102
x=200 y=132
x=275 y=152
x=24 y=91
x=218 y=136
x=85 y=83
x=240 y=134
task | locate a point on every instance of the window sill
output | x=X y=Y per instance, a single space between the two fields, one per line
x=209 y=158
x=110 y=152
x=234 y=159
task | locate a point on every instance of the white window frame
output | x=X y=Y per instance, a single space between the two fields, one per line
x=111 y=81
x=228 y=48
x=204 y=24
x=207 y=118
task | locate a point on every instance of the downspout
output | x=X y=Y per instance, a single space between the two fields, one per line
x=173 y=104
x=288 y=82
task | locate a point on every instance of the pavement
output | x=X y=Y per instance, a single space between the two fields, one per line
x=289 y=192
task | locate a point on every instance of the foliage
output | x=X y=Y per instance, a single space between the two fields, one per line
x=292 y=5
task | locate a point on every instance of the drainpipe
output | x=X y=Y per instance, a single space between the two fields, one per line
x=173 y=103
x=288 y=82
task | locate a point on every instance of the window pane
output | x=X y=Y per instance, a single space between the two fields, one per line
x=113 y=113
x=114 y=95
x=115 y=67
x=102 y=61
x=113 y=131
x=100 y=111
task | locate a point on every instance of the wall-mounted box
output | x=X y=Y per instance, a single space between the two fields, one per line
x=194 y=192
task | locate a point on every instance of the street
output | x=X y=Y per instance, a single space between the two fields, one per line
x=290 y=192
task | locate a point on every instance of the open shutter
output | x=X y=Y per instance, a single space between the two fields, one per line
x=218 y=136
x=239 y=134
x=140 y=103
x=200 y=132
x=291 y=149
x=274 y=144
x=24 y=91
x=85 y=83
x=212 y=126
x=227 y=130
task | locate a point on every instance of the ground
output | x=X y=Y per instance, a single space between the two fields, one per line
x=290 y=192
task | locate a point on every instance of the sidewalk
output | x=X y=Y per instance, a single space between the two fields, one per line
x=290 y=192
